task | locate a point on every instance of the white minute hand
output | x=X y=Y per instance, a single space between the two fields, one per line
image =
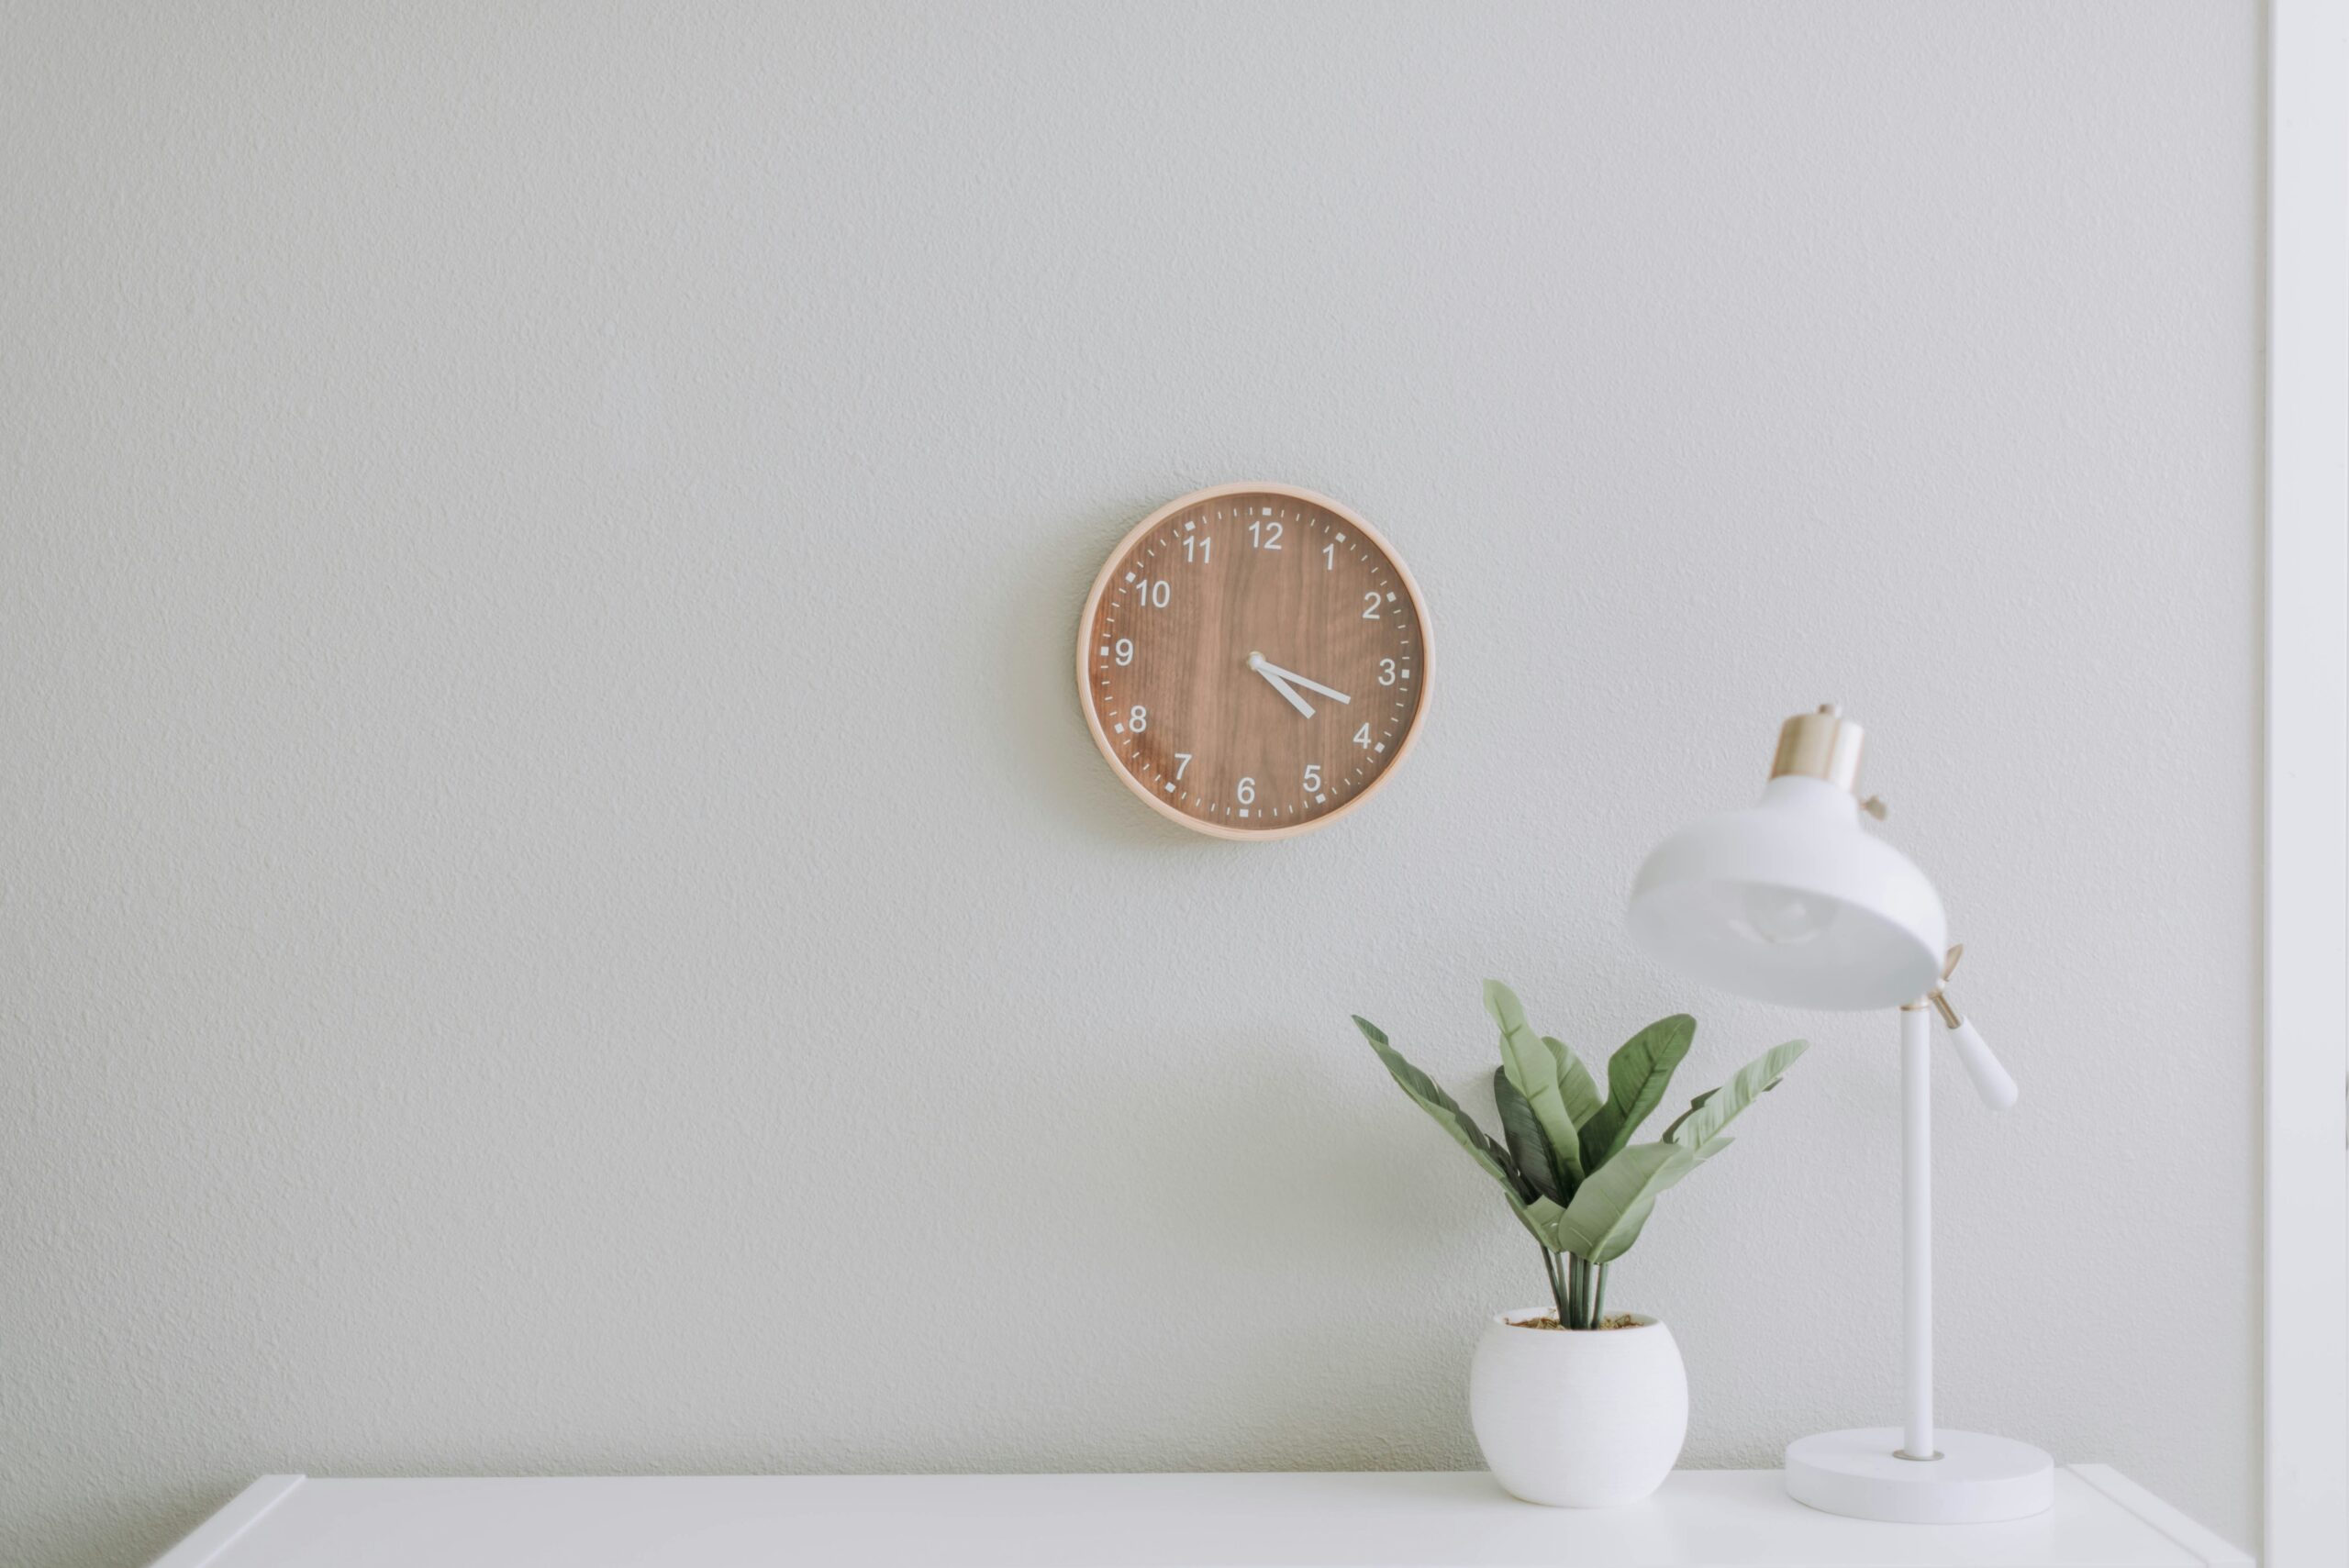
x=1266 y=667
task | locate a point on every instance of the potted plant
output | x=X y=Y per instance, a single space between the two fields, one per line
x=1574 y=1406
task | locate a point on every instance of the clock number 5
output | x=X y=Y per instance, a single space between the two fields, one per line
x=1312 y=777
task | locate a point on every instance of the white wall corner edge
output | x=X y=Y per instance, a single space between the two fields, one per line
x=2305 y=1506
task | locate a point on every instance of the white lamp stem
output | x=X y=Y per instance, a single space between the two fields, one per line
x=1917 y=1230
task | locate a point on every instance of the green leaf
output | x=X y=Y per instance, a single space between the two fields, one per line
x=1534 y=1071
x=1637 y=1075
x=1448 y=1114
x=1527 y=1143
x=1574 y=1085
x=1700 y=1126
x=1541 y=1217
x=1694 y=1106
x=1614 y=1203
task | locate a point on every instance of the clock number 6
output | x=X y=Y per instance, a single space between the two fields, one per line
x=1247 y=791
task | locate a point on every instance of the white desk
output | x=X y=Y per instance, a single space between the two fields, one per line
x=1702 y=1518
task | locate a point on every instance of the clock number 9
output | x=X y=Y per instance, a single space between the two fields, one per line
x=1247 y=791
x=1126 y=655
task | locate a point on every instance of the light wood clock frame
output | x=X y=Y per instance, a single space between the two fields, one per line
x=1252 y=661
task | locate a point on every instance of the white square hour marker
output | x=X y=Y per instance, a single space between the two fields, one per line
x=1380 y=746
x=1189 y=526
x=1390 y=599
x=1170 y=789
x=1121 y=729
x=1341 y=535
x=1243 y=811
x=1105 y=654
x=1130 y=576
x=1319 y=799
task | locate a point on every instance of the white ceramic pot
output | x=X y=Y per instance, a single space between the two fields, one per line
x=1578 y=1418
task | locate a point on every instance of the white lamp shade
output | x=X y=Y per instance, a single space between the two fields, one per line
x=1791 y=901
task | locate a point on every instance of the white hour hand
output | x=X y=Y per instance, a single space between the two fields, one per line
x=1264 y=667
x=1256 y=662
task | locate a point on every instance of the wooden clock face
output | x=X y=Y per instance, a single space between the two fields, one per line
x=1253 y=660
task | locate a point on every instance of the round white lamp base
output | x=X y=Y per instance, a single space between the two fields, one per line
x=1978 y=1478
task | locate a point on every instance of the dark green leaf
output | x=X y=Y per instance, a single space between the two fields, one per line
x=1637 y=1075
x=1527 y=1143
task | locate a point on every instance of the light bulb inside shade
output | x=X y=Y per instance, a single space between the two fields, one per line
x=1781 y=917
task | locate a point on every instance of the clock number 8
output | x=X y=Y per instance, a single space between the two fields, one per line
x=1137 y=719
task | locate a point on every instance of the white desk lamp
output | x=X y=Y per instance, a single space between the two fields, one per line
x=1791 y=901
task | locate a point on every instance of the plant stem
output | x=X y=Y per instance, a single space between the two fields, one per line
x=1598 y=1300
x=1557 y=1285
x=1578 y=1293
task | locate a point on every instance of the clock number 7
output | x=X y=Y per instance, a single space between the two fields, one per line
x=1181 y=765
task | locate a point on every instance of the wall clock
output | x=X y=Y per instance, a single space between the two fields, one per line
x=1253 y=660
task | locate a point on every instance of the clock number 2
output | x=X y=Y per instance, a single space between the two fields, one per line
x=1370 y=606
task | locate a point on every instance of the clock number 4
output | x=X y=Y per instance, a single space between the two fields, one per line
x=1263 y=534
x=1362 y=736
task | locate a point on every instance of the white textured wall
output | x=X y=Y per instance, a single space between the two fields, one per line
x=557 y=912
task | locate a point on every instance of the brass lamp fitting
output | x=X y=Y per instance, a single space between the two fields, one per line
x=1825 y=745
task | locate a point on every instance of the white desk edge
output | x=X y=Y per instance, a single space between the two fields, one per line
x=212 y=1538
